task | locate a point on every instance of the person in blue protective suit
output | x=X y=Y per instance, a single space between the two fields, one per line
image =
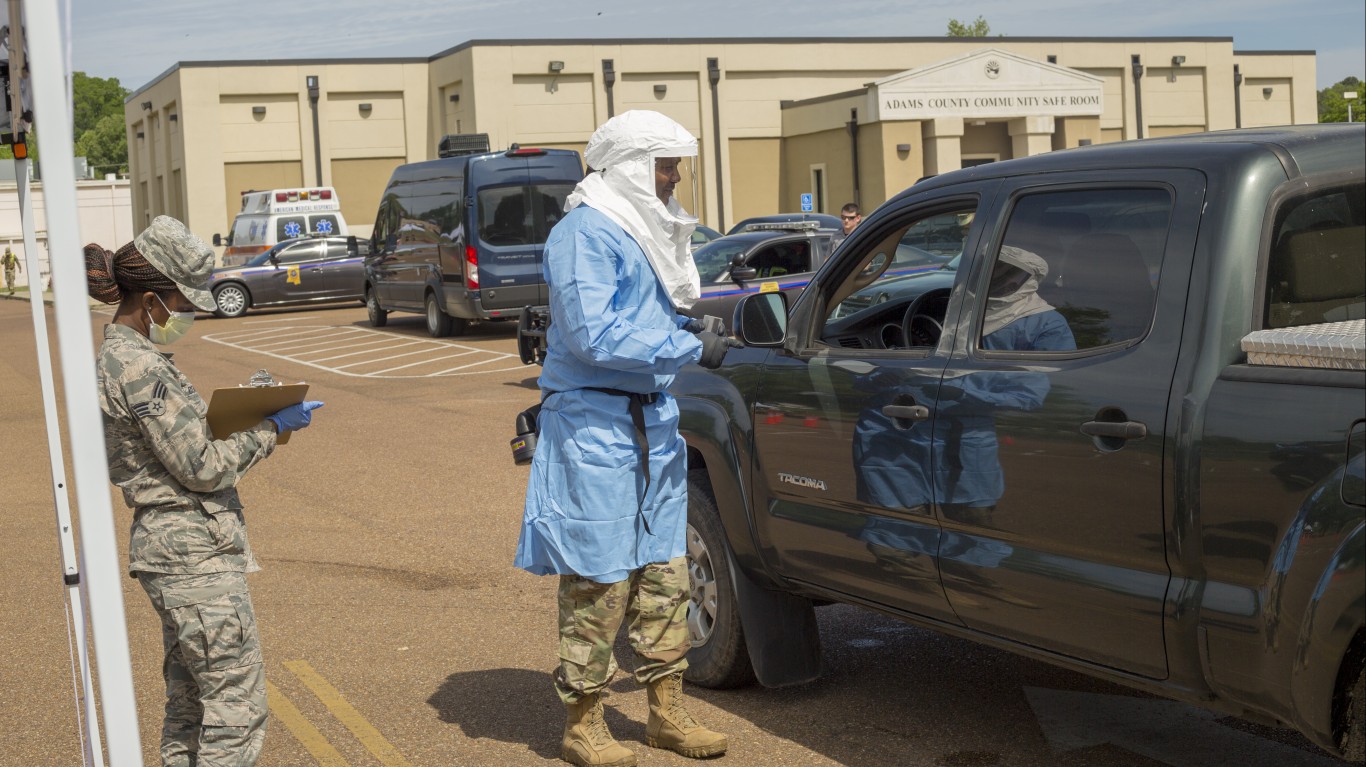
x=968 y=473
x=606 y=501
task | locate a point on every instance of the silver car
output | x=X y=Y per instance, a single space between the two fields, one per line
x=308 y=270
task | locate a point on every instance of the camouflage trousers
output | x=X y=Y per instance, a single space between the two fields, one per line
x=9 y=280
x=215 y=677
x=654 y=604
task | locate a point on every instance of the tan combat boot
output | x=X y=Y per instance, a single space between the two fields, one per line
x=587 y=741
x=672 y=727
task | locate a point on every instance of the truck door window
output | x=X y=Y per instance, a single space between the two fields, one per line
x=1316 y=271
x=1076 y=270
x=896 y=296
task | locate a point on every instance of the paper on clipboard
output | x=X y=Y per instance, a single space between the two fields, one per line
x=242 y=407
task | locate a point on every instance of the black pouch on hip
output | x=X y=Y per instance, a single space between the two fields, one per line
x=524 y=444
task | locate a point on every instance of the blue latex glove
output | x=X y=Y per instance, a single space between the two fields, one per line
x=294 y=417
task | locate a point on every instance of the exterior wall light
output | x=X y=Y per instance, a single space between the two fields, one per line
x=557 y=66
x=903 y=148
x=661 y=89
x=147 y=105
x=141 y=134
x=174 y=117
x=365 y=108
x=1266 y=92
x=258 y=110
x=455 y=98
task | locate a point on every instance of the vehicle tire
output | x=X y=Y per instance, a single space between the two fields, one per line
x=231 y=299
x=378 y=317
x=1354 y=738
x=718 y=658
x=438 y=322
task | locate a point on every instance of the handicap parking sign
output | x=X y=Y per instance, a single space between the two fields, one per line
x=807 y=205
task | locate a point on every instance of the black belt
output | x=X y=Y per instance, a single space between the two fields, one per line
x=637 y=405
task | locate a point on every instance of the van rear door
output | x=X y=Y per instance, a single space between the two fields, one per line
x=515 y=202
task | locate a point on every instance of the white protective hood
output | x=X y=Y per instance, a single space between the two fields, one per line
x=1024 y=301
x=622 y=152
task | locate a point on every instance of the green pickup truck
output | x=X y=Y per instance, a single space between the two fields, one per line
x=1123 y=432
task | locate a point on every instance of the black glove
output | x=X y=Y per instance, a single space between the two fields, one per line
x=714 y=349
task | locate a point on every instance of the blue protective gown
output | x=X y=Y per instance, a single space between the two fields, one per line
x=613 y=327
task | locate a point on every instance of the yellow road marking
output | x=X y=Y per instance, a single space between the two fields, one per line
x=347 y=715
x=302 y=730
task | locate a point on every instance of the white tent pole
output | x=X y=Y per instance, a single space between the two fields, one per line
x=85 y=425
x=65 y=533
x=86 y=719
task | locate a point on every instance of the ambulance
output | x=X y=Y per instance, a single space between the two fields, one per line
x=276 y=215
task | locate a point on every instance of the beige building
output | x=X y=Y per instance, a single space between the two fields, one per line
x=838 y=119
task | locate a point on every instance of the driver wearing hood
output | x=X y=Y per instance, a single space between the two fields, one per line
x=606 y=501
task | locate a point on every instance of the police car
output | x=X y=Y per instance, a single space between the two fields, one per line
x=305 y=270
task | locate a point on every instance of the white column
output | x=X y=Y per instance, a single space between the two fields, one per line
x=943 y=137
x=1031 y=135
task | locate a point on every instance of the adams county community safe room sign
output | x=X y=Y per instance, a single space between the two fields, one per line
x=990 y=84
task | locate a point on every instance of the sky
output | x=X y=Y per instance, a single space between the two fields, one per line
x=137 y=40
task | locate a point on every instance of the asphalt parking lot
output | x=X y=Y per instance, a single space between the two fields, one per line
x=397 y=632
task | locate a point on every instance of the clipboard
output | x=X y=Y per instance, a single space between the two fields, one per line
x=242 y=407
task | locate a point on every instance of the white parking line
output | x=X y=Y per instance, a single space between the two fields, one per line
x=422 y=362
x=332 y=348
x=303 y=343
x=332 y=336
x=382 y=359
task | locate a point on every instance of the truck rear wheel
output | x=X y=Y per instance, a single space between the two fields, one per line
x=719 y=657
x=1354 y=739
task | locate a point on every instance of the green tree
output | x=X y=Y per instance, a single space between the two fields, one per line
x=105 y=146
x=976 y=28
x=97 y=123
x=1333 y=107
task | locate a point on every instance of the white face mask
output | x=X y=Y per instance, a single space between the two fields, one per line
x=177 y=325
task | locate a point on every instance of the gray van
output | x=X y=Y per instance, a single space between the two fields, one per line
x=460 y=239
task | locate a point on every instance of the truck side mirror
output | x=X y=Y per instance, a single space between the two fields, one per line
x=217 y=240
x=742 y=273
x=352 y=246
x=761 y=319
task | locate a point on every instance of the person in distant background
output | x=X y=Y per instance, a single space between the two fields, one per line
x=11 y=263
x=850 y=216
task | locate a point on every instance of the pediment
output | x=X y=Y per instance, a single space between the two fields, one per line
x=988 y=83
x=989 y=67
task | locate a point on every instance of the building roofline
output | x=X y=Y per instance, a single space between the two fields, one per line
x=689 y=41
x=276 y=62
x=789 y=104
x=786 y=40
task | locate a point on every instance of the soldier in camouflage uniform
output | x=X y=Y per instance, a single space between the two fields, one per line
x=10 y=262
x=189 y=545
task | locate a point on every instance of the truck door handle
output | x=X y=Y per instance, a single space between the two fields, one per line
x=907 y=412
x=1115 y=430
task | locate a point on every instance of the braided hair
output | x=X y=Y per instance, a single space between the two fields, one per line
x=111 y=275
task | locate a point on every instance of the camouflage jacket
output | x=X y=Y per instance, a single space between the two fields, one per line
x=179 y=480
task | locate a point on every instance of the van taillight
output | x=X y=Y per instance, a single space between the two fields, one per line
x=281 y=197
x=517 y=151
x=471 y=267
x=327 y=194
